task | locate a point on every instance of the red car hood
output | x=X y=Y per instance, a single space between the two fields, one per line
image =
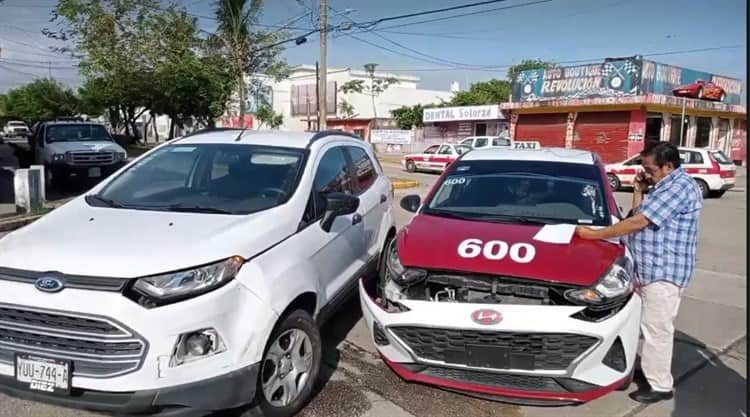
x=432 y=242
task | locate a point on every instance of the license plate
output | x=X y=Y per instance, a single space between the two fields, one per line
x=95 y=172
x=43 y=374
x=487 y=357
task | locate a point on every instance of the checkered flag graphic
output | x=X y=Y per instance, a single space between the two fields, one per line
x=628 y=67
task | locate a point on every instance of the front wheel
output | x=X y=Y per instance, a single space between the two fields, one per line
x=411 y=166
x=614 y=182
x=290 y=365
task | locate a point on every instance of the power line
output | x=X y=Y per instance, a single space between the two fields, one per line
x=433 y=11
x=573 y=61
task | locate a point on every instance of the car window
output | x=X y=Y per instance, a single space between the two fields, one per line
x=431 y=149
x=481 y=142
x=467 y=142
x=634 y=161
x=364 y=170
x=461 y=149
x=218 y=178
x=517 y=191
x=76 y=133
x=500 y=142
x=721 y=158
x=332 y=174
x=445 y=150
x=691 y=157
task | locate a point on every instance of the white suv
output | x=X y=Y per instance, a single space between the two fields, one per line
x=195 y=278
x=477 y=142
x=710 y=168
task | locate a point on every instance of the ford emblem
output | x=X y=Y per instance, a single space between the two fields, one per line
x=486 y=317
x=49 y=284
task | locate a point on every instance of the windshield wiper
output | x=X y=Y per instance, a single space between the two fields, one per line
x=106 y=201
x=197 y=209
x=517 y=219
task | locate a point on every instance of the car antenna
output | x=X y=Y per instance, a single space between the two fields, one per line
x=240 y=135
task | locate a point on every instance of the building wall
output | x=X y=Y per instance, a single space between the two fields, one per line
x=605 y=133
x=548 y=129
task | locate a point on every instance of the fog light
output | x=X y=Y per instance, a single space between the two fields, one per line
x=196 y=345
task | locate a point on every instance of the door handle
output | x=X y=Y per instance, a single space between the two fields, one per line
x=383 y=198
x=357 y=218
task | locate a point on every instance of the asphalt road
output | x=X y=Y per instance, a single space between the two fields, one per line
x=709 y=356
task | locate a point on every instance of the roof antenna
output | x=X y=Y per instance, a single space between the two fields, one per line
x=240 y=135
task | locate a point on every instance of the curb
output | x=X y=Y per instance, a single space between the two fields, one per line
x=401 y=184
x=17 y=223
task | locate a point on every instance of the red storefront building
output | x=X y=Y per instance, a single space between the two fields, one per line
x=616 y=107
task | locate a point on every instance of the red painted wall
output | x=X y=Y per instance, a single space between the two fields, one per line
x=739 y=141
x=605 y=133
x=548 y=129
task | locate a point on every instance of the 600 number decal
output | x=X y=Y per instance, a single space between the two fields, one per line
x=496 y=250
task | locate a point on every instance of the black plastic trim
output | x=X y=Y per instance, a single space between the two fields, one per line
x=227 y=391
x=331 y=132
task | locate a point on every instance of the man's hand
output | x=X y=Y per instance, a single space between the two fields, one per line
x=587 y=233
x=641 y=183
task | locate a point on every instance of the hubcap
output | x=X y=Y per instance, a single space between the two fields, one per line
x=286 y=367
x=612 y=182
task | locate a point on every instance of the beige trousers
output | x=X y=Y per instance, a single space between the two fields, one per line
x=661 y=301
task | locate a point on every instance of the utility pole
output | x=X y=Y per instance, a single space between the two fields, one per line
x=322 y=83
x=682 y=120
x=317 y=95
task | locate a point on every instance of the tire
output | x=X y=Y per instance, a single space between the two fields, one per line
x=614 y=182
x=279 y=354
x=722 y=97
x=705 y=191
x=410 y=165
x=700 y=93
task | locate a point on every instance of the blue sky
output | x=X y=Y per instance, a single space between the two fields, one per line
x=557 y=30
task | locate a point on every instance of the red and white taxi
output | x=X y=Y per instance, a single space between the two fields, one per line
x=434 y=158
x=488 y=292
x=711 y=168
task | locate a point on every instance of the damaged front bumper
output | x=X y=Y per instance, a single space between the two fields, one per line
x=535 y=354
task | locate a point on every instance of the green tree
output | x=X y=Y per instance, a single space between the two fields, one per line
x=375 y=88
x=247 y=50
x=41 y=99
x=408 y=116
x=267 y=116
x=3 y=100
x=483 y=92
x=528 y=64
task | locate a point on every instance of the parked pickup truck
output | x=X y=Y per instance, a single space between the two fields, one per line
x=80 y=149
x=14 y=129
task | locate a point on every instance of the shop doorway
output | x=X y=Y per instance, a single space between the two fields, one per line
x=674 y=134
x=702 y=132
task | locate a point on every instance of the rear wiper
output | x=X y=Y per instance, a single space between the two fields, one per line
x=197 y=209
x=107 y=201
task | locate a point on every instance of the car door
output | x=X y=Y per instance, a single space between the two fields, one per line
x=443 y=157
x=334 y=253
x=372 y=189
x=424 y=160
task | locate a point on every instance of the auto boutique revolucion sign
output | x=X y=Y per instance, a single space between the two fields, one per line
x=620 y=77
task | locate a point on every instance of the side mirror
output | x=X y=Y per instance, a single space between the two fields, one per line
x=337 y=204
x=411 y=203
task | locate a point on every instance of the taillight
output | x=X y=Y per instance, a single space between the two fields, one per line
x=726 y=174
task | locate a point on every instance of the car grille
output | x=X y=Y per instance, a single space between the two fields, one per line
x=527 y=351
x=70 y=281
x=98 y=347
x=91 y=158
x=509 y=381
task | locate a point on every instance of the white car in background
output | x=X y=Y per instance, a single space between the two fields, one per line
x=476 y=142
x=711 y=168
x=195 y=279
x=15 y=129
x=434 y=158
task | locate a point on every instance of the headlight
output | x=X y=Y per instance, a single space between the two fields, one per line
x=190 y=282
x=399 y=274
x=58 y=157
x=120 y=156
x=614 y=286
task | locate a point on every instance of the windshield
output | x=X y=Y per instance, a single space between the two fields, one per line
x=522 y=191
x=209 y=178
x=76 y=133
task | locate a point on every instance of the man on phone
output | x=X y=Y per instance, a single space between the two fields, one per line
x=662 y=234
